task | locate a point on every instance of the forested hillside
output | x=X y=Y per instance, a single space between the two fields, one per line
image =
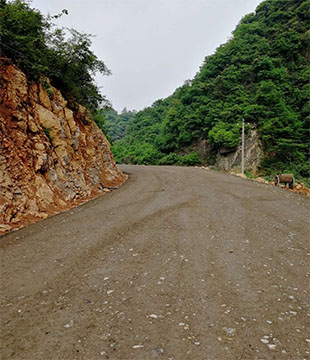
x=113 y=124
x=261 y=74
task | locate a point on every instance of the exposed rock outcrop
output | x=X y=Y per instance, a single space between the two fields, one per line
x=228 y=159
x=51 y=158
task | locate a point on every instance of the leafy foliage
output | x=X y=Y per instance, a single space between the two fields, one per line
x=38 y=48
x=261 y=74
x=225 y=134
x=114 y=125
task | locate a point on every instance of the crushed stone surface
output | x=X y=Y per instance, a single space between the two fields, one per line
x=179 y=263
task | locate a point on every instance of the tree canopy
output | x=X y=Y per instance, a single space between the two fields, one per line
x=38 y=48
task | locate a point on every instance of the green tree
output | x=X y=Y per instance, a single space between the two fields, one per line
x=38 y=48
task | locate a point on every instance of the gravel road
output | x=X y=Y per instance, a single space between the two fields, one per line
x=177 y=264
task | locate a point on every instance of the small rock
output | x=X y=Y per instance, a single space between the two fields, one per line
x=70 y=323
x=157 y=352
x=5 y=227
x=230 y=331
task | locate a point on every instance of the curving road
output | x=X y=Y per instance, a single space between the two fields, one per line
x=177 y=264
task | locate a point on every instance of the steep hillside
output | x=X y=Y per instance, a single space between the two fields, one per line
x=51 y=157
x=261 y=74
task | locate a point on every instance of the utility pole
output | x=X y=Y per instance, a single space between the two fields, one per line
x=242 y=149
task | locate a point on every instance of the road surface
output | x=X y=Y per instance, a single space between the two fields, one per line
x=177 y=264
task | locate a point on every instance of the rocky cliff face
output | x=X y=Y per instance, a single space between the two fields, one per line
x=228 y=159
x=51 y=158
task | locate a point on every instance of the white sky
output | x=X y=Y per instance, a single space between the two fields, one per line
x=151 y=46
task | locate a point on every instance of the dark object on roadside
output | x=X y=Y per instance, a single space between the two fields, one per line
x=286 y=179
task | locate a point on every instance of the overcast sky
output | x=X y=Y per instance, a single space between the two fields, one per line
x=151 y=46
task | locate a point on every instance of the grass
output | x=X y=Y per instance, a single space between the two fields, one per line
x=47 y=133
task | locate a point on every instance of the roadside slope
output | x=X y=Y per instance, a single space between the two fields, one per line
x=51 y=157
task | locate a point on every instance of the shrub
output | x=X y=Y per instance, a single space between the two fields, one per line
x=47 y=133
x=190 y=159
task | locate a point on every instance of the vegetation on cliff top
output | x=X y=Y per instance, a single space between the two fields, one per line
x=38 y=48
x=261 y=74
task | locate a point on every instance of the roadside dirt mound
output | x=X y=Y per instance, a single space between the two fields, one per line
x=51 y=158
x=301 y=189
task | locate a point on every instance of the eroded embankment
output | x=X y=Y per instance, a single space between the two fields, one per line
x=51 y=157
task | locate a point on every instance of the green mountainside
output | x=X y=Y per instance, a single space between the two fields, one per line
x=262 y=75
x=114 y=125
